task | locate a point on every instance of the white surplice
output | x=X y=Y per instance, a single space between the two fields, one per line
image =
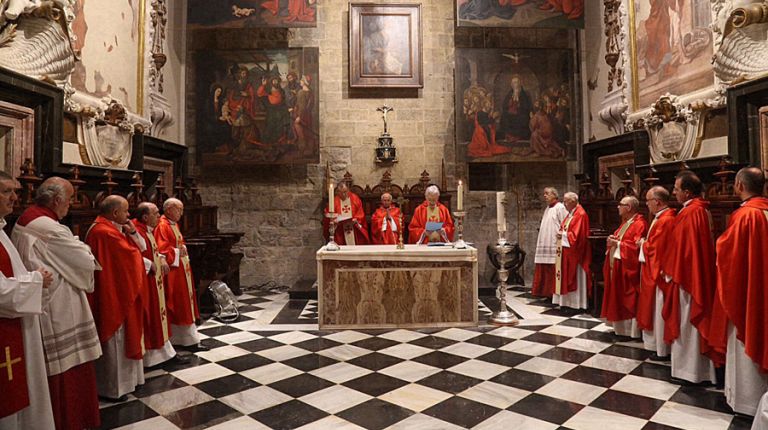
x=761 y=418
x=117 y=374
x=687 y=361
x=744 y=382
x=69 y=331
x=546 y=244
x=575 y=299
x=21 y=296
x=654 y=340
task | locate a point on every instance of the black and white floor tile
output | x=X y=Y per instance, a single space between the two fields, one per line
x=275 y=369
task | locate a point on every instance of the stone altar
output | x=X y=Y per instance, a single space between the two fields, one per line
x=379 y=286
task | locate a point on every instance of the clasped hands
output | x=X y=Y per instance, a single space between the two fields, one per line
x=612 y=241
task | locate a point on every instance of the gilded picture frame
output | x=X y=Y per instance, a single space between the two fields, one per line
x=385 y=47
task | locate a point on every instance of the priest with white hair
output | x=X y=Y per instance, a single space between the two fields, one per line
x=546 y=245
x=573 y=257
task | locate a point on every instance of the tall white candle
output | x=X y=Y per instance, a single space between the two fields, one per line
x=460 y=197
x=330 y=197
x=501 y=221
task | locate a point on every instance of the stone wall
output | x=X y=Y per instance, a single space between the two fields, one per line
x=279 y=207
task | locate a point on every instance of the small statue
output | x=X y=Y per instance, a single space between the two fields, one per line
x=384 y=110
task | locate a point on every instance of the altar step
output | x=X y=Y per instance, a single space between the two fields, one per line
x=306 y=289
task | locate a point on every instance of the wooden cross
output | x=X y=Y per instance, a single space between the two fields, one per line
x=9 y=363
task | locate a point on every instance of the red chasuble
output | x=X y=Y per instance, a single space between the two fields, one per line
x=650 y=272
x=622 y=276
x=421 y=217
x=387 y=237
x=156 y=327
x=356 y=212
x=690 y=262
x=13 y=366
x=579 y=254
x=182 y=295
x=119 y=295
x=742 y=283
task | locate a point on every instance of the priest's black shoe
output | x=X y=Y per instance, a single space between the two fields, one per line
x=200 y=347
x=178 y=359
x=656 y=357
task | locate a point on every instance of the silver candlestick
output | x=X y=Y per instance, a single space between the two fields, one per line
x=460 y=244
x=503 y=316
x=331 y=245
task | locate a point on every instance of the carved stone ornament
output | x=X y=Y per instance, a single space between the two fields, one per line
x=614 y=107
x=159 y=107
x=743 y=51
x=614 y=39
x=673 y=130
x=35 y=38
x=105 y=137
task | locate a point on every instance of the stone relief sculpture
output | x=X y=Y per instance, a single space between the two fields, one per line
x=743 y=52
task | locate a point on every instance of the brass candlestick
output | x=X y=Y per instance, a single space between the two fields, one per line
x=400 y=244
x=331 y=245
x=460 y=244
x=503 y=316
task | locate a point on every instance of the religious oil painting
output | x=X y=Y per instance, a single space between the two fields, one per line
x=251 y=13
x=257 y=107
x=385 y=45
x=106 y=33
x=520 y=13
x=515 y=105
x=671 y=44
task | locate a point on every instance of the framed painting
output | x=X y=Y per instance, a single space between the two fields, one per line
x=520 y=13
x=671 y=45
x=515 y=105
x=257 y=107
x=385 y=45
x=251 y=13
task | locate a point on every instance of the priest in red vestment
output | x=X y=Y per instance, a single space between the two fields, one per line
x=621 y=270
x=70 y=339
x=573 y=257
x=652 y=283
x=181 y=305
x=25 y=402
x=689 y=264
x=740 y=314
x=118 y=299
x=386 y=222
x=157 y=329
x=430 y=211
x=351 y=227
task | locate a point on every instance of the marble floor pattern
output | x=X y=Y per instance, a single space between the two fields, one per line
x=273 y=369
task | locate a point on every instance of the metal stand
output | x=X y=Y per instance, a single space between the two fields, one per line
x=400 y=244
x=460 y=244
x=331 y=245
x=503 y=316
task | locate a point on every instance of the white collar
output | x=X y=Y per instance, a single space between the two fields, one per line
x=658 y=214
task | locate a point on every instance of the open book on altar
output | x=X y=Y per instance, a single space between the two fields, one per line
x=433 y=226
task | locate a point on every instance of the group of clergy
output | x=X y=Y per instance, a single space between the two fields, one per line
x=387 y=221
x=696 y=302
x=81 y=320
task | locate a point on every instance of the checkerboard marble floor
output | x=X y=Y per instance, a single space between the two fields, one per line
x=275 y=369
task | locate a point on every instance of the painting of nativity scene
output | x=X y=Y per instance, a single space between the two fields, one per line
x=514 y=105
x=261 y=107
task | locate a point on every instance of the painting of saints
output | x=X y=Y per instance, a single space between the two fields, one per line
x=239 y=111
x=251 y=13
x=521 y=13
x=272 y=96
x=301 y=118
x=673 y=44
x=516 y=111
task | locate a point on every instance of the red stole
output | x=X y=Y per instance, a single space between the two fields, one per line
x=622 y=276
x=690 y=262
x=119 y=295
x=742 y=297
x=156 y=326
x=181 y=292
x=650 y=272
x=13 y=368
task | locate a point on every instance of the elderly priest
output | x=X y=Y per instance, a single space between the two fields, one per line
x=430 y=211
x=551 y=220
x=351 y=228
x=621 y=270
x=70 y=339
x=573 y=257
x=386 y=222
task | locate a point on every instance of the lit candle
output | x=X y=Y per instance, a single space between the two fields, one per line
x=330 y=196
x=501 y=221
x=460 y=193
